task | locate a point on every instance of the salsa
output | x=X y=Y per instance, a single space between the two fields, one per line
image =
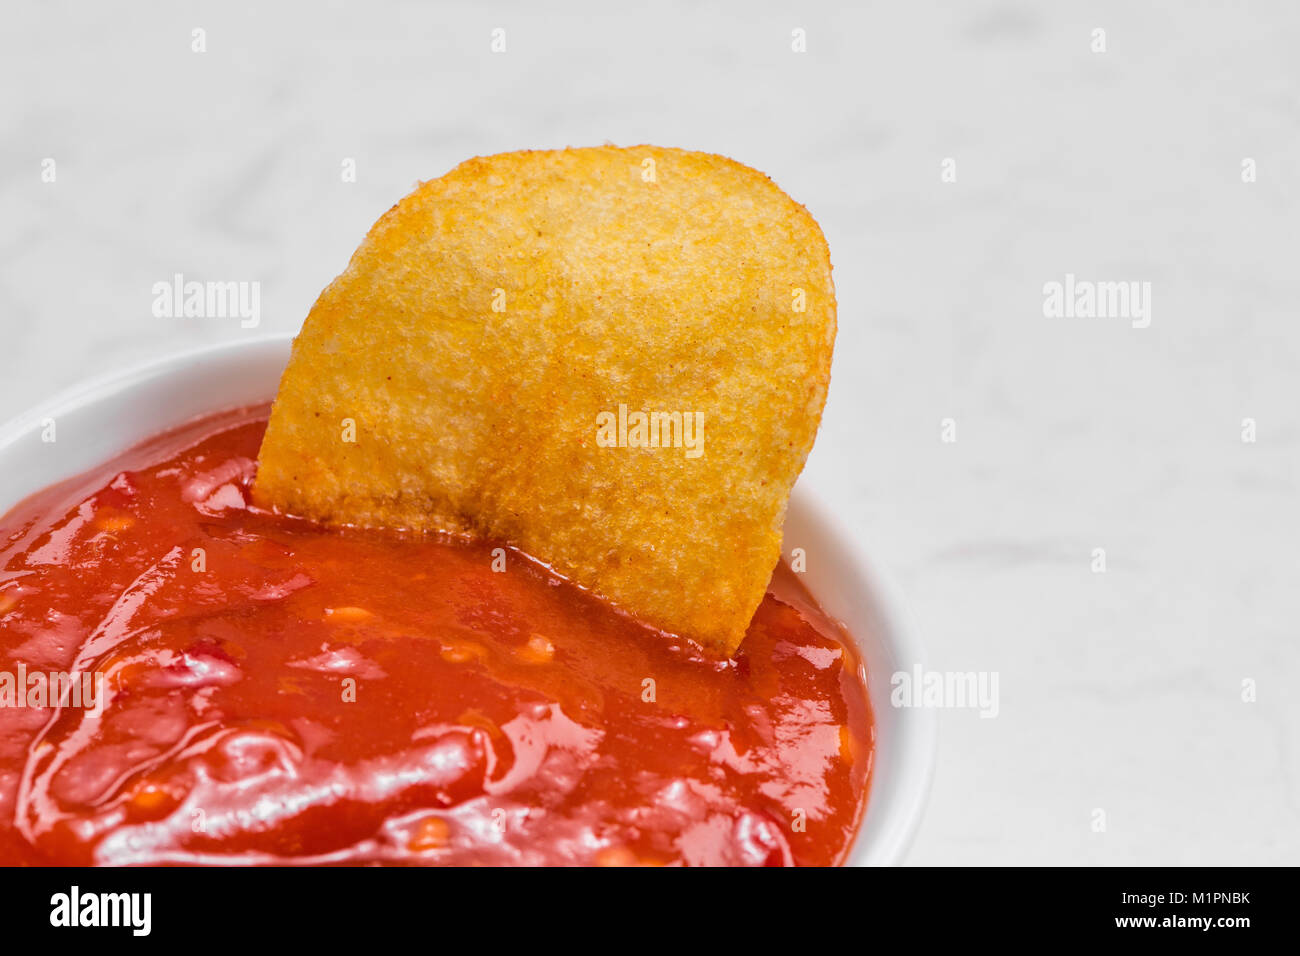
x=275 y=692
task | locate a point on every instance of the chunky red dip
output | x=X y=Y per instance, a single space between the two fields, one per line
x=276 y=692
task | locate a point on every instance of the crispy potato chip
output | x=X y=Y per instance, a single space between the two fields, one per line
x=614 y=359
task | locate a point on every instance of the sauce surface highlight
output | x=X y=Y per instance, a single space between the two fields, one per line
x=276 y=692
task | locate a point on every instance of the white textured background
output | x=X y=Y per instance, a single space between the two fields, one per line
x=1120 y=691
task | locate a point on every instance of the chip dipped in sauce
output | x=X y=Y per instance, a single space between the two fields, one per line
x=271 y=691
x=621 y=375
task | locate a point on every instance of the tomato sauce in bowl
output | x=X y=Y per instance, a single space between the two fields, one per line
x=267 y=691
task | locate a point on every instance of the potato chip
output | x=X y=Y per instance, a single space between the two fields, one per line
x=613 y=359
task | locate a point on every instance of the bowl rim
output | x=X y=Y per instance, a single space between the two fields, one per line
x=915 y=735
x=914 y=739
x=14 y=428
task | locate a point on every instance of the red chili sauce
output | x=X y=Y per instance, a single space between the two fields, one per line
x=277 y=692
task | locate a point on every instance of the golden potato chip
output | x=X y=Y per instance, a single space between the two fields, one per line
x=614 y=359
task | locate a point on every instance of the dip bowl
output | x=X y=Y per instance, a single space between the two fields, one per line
x=99 y=419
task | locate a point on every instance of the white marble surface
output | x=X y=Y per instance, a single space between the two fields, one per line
x=1119 y=691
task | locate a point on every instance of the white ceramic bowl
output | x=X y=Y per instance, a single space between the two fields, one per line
x=96 y=421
